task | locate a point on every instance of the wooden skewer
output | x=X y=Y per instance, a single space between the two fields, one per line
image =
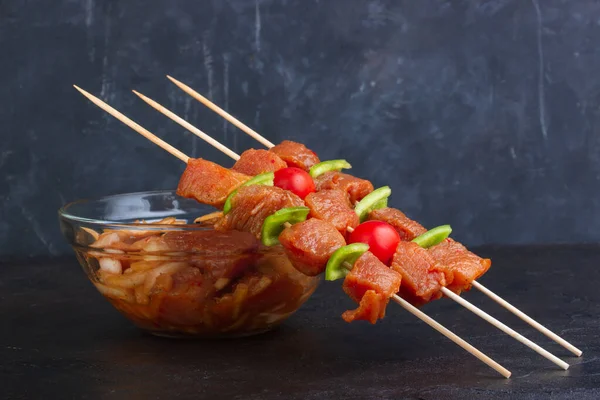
x=527 y=319
x=221 y=112
x=480 y=287
x=189 y=126
x=505 y=328
x=135 y=126
x=450 y=335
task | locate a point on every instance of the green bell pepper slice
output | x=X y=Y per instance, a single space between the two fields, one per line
x=433 y=236
x=326 y=166
x=374 y=200
x=274 y=224
x=380 y=204
x=260 y=179
x=337 y=267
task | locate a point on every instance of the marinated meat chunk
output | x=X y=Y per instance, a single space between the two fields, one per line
x=184 y=303
x=211 y=243
x=252 y=204
x=253 y=162
x=370 y=308
x=295 y=154
x=222 y=256
x=422 y=276
x=407 y=228
x=334 y=207
x=208 y=183
x=354 y=187
x=370 y=283
x=465 y=265
x=309 y=245
x=368 y=273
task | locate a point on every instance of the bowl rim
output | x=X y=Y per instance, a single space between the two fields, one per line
x=63 y=213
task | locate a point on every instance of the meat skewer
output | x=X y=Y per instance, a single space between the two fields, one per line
x=406 y=305
x=482 y=314
x=476 y=284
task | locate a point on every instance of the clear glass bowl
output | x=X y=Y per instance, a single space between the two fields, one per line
x=173 y=277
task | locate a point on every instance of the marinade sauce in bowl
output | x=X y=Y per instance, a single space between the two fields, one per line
x=173 y=277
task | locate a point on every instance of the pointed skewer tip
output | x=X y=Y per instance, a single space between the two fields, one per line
x=509 y=331
x=527 y=319
x=176 y=82
x=141 y=96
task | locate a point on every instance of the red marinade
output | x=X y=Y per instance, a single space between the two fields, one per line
x=199 y=282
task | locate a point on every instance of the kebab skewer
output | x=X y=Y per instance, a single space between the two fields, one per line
x=473 y=308
x=442 y=288
x=406 y=305
x=423 y=270
x=474 y=283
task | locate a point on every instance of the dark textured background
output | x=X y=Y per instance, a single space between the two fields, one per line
x=481 y=114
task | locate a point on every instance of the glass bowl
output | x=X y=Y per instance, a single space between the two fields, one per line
x=175 y=277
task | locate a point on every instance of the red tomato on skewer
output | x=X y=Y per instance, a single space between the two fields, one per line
x=296 y=180
x=381 y=237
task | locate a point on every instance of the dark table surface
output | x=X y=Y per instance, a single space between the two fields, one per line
x=60 y=339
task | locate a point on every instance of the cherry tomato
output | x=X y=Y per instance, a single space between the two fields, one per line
x=381 y=237
x=296 y=180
